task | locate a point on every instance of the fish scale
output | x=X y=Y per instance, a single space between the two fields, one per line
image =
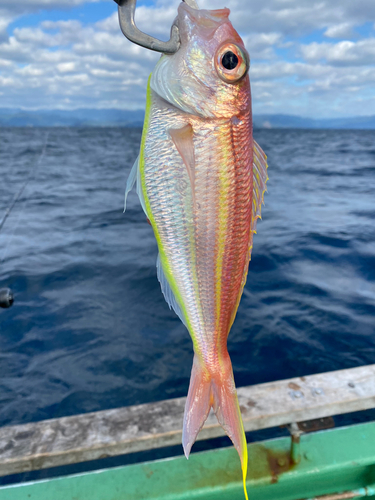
x=172 y=211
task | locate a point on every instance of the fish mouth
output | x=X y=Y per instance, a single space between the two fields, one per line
x=206 y=17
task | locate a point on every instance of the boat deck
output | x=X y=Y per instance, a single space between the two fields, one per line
x=331 y=464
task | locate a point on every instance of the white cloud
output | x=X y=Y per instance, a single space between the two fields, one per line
x=10 y=10
x=66 y=67
x=346 y=53
x=295 y=17
x=262 y=45
x=157 y=20
x=64 y=62
x=74 y=64
x=343 y=30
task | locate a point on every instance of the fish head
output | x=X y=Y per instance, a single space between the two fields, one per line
x=208 y=75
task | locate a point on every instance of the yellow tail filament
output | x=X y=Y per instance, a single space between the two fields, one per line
x=244 y=472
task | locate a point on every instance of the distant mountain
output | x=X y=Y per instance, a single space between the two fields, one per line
x=71 y=118
x=291 y=121
x=128 y=118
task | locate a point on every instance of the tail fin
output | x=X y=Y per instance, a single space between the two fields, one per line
x=219 y=392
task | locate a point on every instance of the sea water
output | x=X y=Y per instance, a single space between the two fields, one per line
x=90 y=330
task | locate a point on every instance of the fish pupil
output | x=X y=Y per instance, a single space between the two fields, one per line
x=229 y=60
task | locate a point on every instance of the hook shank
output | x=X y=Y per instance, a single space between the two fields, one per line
x=126 y=9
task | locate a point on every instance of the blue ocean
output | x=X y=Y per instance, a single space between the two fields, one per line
x=90 y=330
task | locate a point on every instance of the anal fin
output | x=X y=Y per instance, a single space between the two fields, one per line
x=167 y=291
x=135 y=176
x=131 y=180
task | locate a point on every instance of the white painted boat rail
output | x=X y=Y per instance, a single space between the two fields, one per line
x=92 y=436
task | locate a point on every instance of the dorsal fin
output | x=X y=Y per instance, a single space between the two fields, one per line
x=260 y=178
x=183 y=140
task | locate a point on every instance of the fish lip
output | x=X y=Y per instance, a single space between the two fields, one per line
x=216 y=15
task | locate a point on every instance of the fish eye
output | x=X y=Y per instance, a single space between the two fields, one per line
x=231 y=63
x=229 y=60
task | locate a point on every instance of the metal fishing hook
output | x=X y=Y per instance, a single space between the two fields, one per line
x=126 y=10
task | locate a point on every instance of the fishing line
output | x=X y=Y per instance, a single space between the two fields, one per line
x=18 y=195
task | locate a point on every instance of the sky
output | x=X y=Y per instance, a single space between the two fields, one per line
x=313 y=58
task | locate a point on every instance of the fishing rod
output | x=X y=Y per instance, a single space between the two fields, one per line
x=6 y=294
x=14 y=201
x=18 y=194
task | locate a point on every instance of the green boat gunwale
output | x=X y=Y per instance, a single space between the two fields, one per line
x=307 y=466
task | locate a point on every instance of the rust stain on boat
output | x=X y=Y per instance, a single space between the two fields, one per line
x=265 y=466
x=278 y=462
x=294 y=386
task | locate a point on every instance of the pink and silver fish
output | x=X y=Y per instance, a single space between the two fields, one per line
x=201 y=178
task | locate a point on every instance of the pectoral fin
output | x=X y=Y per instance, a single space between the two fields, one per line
x=183 y=140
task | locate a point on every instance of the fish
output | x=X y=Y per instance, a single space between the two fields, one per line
x=201 y=178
